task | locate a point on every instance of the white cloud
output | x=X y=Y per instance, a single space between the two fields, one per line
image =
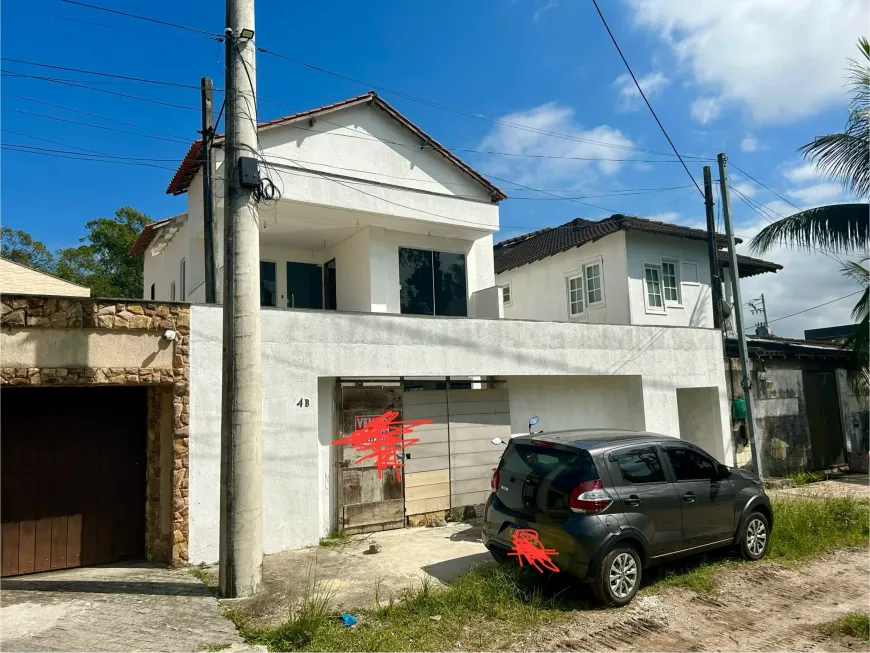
x=629 y=96
x=540 y=11
x=665 y=216
x=817 y=193
x=783 y=59
x=706 y=109
x=801 y=173
x=744 y=188
x=806 y=280
x=750 y=144
x=552 y=172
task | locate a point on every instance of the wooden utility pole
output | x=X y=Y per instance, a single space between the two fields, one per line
x=241 y=517
x=712 y=250
x=207 y=95
x=746 y=380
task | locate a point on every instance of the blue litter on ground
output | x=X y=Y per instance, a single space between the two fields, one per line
x=348 y=619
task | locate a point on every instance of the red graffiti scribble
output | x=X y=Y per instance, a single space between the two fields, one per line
x=527 y=544
x=382 y=436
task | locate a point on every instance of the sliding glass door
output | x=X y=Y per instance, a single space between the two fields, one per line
x=432 y=283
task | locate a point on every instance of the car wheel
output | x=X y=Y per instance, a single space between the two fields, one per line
x=618 y=577
x=754 y=537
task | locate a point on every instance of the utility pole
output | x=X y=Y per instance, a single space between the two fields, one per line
x=712 y=250
x=207 y=95
x=754 y=305
x=241 y=518
x=746 y=381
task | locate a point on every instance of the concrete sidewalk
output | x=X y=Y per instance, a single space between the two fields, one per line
x=135 y=606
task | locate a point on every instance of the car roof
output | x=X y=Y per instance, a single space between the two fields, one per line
x=590 y=439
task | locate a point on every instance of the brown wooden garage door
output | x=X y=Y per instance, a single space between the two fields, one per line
x=73 y=477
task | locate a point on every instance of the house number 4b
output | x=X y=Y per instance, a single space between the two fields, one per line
x=303 y=403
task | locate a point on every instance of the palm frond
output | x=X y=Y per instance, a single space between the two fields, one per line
x=844 y=157
x=835 y=228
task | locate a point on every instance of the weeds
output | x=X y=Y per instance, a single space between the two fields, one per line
x=214 y=648
x=802 y=478
x=853 y=624
x=807 y=526
x=336 y=540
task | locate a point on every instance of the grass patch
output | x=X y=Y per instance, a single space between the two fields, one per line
x=807 y=526
x=200 y=572
x=699 y=576
x=483 y=606
x=853 y=624
x=213 y=648
x=336 y=540
x=802 y=478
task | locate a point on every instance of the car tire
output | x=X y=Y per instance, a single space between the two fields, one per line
x=618 y=577
x=501 y=557
x=754 y=537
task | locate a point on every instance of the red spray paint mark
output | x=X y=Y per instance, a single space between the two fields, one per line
x=527 y=544
x=382 y=437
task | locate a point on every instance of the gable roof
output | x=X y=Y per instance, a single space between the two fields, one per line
x=192 y=161
x=522 y=250
x=148 y=233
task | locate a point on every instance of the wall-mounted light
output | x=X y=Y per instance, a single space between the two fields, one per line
x=246 y=34
x=169 y=334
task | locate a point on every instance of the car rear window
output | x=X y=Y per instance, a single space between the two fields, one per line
x=538 y=459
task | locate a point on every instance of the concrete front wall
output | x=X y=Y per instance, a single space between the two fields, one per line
x=697 y=307
x=539 y=290
x=303 y=350
x=28 y=347
x=22 y=280
x=854 y=413
x=576 y=402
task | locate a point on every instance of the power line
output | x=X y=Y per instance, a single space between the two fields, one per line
x=87 y=124
x=46 y=140
x=102 y=74
x=741 y=170
x=94 y=154
x=100 y=90
x=145 y=18
x=811 y=308
x=80 y=157
x=116 y=26
x=643 y=95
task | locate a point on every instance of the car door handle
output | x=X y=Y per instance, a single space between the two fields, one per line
x=633 y=500
x=689 y=496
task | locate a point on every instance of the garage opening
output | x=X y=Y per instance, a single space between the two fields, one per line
x=700 y=421
x=73 y=477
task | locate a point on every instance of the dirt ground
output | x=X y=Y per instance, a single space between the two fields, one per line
x=761 y=607
x=854 y=485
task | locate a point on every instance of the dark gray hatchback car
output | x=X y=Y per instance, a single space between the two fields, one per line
x=613 y=503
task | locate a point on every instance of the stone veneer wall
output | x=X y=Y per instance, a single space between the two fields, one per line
x=174 y=383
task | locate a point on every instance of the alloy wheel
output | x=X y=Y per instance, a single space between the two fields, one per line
x=756 y=537
x=623 y=575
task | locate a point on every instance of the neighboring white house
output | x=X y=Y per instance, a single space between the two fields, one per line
x=372 y=263
x=17 y=278
x=619 y=270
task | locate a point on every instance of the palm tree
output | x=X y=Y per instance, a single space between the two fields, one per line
x=840 y=228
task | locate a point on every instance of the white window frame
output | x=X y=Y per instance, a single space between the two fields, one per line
x=678 y=302
x=182 y=281
x=588 y=264
x=172 y=291
x=658 y=310
x=510 y=293
x=571 y=276
x=687 y=265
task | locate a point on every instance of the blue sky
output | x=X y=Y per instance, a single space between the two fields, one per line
x=755 y=79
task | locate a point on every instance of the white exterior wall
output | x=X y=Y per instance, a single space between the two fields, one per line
x=164 y=268
x=304 y=350
x=539 y=290
x=697 y=307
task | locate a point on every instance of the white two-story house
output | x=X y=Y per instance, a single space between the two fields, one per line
x=378 y=287
x=619 y=270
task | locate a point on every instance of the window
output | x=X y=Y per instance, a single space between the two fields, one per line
x=671 y=281
x=640 y=466
x=153 y=291
x=575 y=296
x=181 y=274
x=268 y=286
x=592 y=273
x=691 y=465
x=432 y=283
x=690 y=273
x=652 y=280
x=506 y=297
x=172 y=291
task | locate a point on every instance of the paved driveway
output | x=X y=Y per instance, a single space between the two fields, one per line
x=135 y=606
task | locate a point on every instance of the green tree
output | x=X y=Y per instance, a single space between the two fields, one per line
x=103 y=262
x=20 y=247
x=840 y=228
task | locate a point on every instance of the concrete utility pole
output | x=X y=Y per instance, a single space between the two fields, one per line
x=712 y=250
x=241 y=519
x=207 y=95
x=746 y=381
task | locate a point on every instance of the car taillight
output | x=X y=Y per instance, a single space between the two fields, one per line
x=589 y=497
x=493 y=483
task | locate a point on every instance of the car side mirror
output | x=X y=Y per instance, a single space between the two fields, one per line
x=723 y=471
